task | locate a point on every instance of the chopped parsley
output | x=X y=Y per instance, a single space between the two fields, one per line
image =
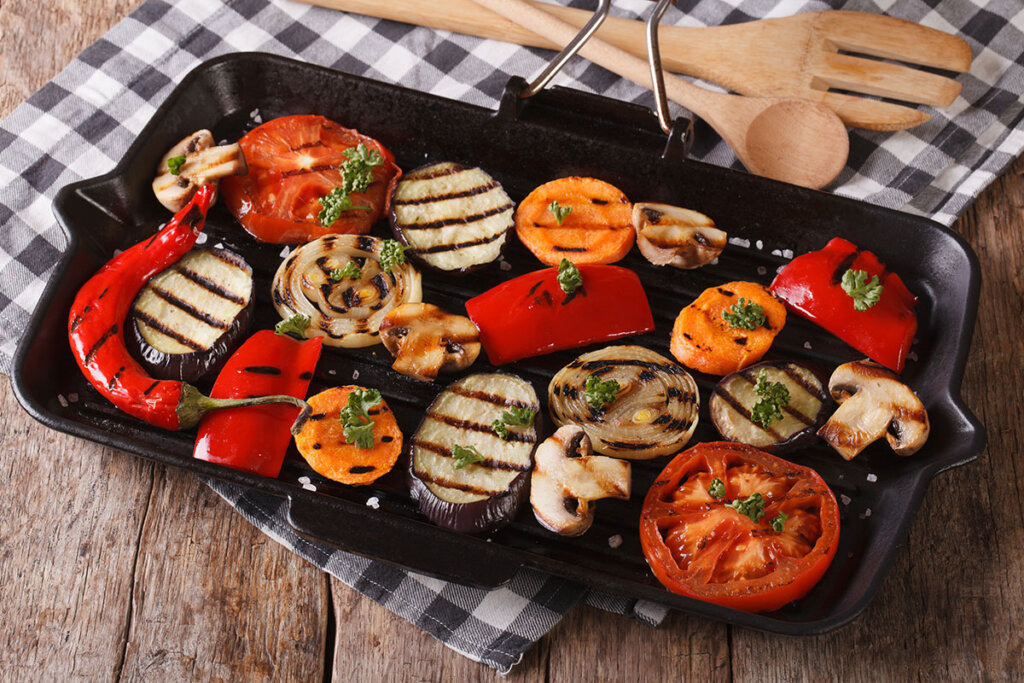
x=465 y=455
x=865 y=292
x=356 y=176
x=779 y=522
x=333 y=204
x=392 y=253
x=175 y=164
x=752 y=507
x=773 y=395
x=558 y=211
x=717 y=489
x=513 y=416
x=296 y=324
x=599 y=392
x=350 y=272
x=356 y=417
x=569 y=278
x=745 y=314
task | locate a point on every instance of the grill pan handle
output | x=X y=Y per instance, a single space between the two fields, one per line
x=420 y=547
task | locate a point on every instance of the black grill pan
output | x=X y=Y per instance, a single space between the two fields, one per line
x=557 y=133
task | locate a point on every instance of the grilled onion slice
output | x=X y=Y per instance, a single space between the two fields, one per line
x=653 y=414
x=453 y=218
x=734 y=398
x=477 y=497
x=345 y=312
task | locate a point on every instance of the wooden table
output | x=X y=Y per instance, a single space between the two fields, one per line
x=112 y=567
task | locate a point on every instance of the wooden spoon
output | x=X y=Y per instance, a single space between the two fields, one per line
x=792 y=140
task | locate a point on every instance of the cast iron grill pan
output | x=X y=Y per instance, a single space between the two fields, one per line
x=557 y=133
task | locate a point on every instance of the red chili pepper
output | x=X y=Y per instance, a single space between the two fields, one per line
x=256 y=438
x=101 y=306
x=811 y=286
x=531 y=315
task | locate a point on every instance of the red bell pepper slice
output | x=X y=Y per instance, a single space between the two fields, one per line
x=256 y=438
x=531 y=315
x=811 y=286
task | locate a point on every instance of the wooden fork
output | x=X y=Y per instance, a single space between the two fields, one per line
x=803 y=55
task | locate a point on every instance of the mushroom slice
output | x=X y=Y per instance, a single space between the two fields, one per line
x=873 y=401
x=203 y=164
x=672 y=236
x=567 y=478
x=425 y=339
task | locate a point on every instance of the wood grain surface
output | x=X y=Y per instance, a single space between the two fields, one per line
x=114 y=568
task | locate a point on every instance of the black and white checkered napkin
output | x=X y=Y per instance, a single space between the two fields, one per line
x=77 y=125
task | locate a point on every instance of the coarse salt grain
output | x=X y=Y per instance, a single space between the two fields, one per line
x=219 y=245
x=332 y=372
x=615 y=541
x=872 y=477
x=787 y=253
x=73 y=398
x=865 y=514
x=355 y=375
x=807 y=345
x=715 y=261
x=845 y=498
x=776 y=252
x=912 y=356
x=373 y=502
x=761 y=270
x=309 y=487
x=505 y=265
x=286 y=251
x=759 y=244
x=202 y=238
x=62 y=401
x=303 y=480
x=739 y=242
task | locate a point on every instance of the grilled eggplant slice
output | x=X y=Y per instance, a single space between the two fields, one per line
x=425 y=340
x=454 y=218
x=653 y=413
x=189 y=318
x=337 y=282
x=473 y=496
x=732 y=406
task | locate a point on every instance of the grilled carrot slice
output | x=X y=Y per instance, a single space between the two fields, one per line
x=727 y=328
x=584 y=220
x=321 y=441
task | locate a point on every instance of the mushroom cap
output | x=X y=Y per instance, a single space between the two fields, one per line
x=424 y=339
x=671 y=235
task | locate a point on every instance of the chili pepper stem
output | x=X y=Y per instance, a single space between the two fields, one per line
x=194 y=405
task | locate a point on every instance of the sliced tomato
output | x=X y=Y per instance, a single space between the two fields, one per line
x=700 y=547
x=293 y=162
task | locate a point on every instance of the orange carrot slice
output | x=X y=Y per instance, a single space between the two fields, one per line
x=596 y=224
x=704 y=339
x=321 y=441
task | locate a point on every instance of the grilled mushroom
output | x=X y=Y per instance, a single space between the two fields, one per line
x=672 y=236
x=203 y=164
x=567 y=478
x=425 y=339
x=873 y=402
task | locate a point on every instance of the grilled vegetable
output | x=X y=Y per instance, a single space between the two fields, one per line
x=654 y=412
x=188 y=319
x=873 y=403
x=192 y=163
x=734 y=406
x=456 y=492
x=567 y=478
x=727 y=328
x=330 y=448
x=424 y=340
x=452 y=217
x=672 y=236
x=345 y=312
x=582 y=219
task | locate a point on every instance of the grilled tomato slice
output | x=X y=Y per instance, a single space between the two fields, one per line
x=735 y=526
x=293 y=162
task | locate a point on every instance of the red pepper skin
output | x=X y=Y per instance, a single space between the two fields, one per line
x=256 y=438
x=531 y=315
x=101 y=307
x=810 y=286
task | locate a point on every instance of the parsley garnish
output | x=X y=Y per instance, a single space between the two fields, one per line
x=356 y=176
x=356 y=417
x=296 y=324
x=175 y=164
x=350 y=272
x=865 y=292
x=569 y=278
x=773 y=395
x=599 y=392
x=560 y=212
x=752 y=507
x=464 y=455
x=513 y=416
x=717 y=489
x=392 y=253
x=745 y=314
x=779 y=522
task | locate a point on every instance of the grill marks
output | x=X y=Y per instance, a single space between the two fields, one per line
x=190 y=309
x=167 y=331
x=210 y=285
x=104 y=338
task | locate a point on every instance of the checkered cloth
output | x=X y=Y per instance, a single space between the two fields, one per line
x=77 y=125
